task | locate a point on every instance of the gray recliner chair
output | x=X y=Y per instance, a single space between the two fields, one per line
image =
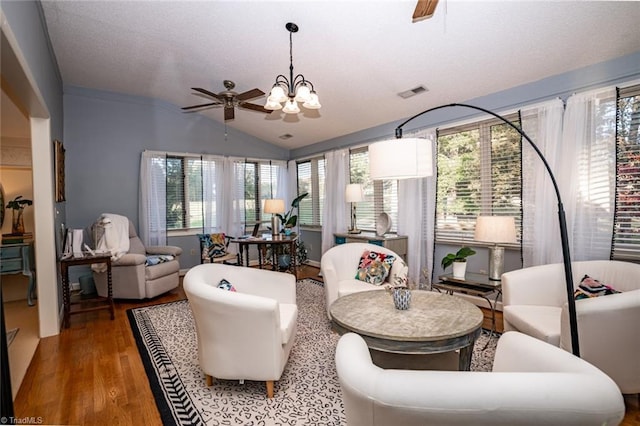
x=132 y=278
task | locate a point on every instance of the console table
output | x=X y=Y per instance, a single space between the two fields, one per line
x=395 y=243
x=18 y=258
x=86 y=259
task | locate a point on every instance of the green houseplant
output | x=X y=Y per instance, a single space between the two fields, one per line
x=458 y=260
x=17 y=206
x=290 y=218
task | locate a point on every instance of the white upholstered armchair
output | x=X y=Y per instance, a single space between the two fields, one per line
x=339 y=265
x=132 y=278
x=532 y=383
x=535 y=303
x=246 y=334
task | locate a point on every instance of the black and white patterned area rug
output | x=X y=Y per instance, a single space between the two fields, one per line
x=308 y=393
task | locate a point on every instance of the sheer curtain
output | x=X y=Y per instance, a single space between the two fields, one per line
x=292 y=182
x=587 y=175
x=232 y=212
x=152 y=207
x=540 y=228
x=212 y=193
x=415 y=214
x=335 y=216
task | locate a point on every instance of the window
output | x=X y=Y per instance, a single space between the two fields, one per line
x=479 y=173
x=260 y=183
x=184 y=193
x=311 y=179
x=379 y=195
x=626 y=233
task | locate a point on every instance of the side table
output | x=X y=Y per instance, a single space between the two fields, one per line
x=86 y=259
x=18 y=258
x=474 y=285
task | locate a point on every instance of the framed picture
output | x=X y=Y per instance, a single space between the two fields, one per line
x=58 y=158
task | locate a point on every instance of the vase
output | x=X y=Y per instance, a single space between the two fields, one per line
x=284 y=261
x=17 y=222
x=401 y=298
x=459 y=269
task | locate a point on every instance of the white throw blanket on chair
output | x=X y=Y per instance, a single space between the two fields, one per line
x=115 y=238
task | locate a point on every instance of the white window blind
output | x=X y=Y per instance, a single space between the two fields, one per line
x=379 y=195
x=260 y=183
x=479 y=173
x=311 y=179
x=184 y=192
x=626 y=237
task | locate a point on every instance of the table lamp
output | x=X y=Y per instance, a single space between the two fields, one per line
x=353 y=194
x=496 y=230
x=274 y=206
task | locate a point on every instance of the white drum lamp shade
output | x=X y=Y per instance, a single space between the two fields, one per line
x=496 y=230
x=403 y=158
x=353 y=193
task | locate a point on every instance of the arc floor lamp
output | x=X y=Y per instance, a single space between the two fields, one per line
x=419 y=152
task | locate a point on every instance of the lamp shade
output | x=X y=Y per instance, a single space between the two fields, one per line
x=353 y=193
x=400 y=159
x=495 y=229
x=274 y=205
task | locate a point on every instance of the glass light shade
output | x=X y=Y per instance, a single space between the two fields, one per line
x=353 y=193
x=495 y=229
x=274 y=205
x=272 y=105
x=303 y=94
x=277 y=94
x=291 y=107
x=404 y=158
x=313 y=102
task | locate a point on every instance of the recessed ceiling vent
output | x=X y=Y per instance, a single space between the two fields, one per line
x=286 y=136
x=412 y=92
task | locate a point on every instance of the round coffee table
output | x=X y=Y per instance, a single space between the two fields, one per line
x=434 y=323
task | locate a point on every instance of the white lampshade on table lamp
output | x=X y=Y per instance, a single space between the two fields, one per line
x=353 y=194
x=496 y=230
x=274 y=206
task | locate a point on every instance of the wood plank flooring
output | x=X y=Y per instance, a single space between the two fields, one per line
x=92 y=374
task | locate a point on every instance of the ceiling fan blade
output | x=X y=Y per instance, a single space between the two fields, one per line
x=206 y=92
x=200 y=106
x=424 y=10
x=250 y=94
x=254 y=107
x=229 y=114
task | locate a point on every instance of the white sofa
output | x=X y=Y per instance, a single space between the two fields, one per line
x=532 y=383
x=245 y=334
x=535 y=303
x=339 y=265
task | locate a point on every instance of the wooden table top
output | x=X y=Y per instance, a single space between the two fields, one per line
x=430 y=317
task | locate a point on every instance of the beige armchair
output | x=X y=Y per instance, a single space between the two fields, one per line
x=246 y=334
x=133 y=279
x=339 y=265
x=532 y=383
x=535 y=303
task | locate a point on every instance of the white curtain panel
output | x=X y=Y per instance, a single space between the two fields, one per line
x=212 y=199
x=540 y=226
x=291 y=190
x=587 y=175
x=416 y=213
x=335 y=213
x=232 y=218
x=152 y=207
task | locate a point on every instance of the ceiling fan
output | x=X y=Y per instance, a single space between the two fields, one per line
x=424 y=10
x=229 y=99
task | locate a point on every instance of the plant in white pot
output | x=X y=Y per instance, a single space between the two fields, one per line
x=458 y=260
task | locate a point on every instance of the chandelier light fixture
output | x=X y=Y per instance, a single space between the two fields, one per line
x=286 y=93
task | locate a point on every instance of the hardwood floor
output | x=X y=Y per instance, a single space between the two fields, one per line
x=91 y=373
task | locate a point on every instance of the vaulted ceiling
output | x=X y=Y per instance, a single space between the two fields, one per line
x=358 y=54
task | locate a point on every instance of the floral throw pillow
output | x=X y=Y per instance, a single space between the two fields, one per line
x=374 y=267
x=212 y=245
x=590 y=287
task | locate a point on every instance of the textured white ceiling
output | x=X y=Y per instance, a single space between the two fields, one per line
x=358 y=54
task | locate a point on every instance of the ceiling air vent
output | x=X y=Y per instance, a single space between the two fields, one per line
x=412 y=92
x=286 y=136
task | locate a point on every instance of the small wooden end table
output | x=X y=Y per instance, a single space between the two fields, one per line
x=86 y=259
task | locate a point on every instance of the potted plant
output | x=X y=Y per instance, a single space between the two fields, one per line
x=17 y=205
x=290 y=219
x=458 y=260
